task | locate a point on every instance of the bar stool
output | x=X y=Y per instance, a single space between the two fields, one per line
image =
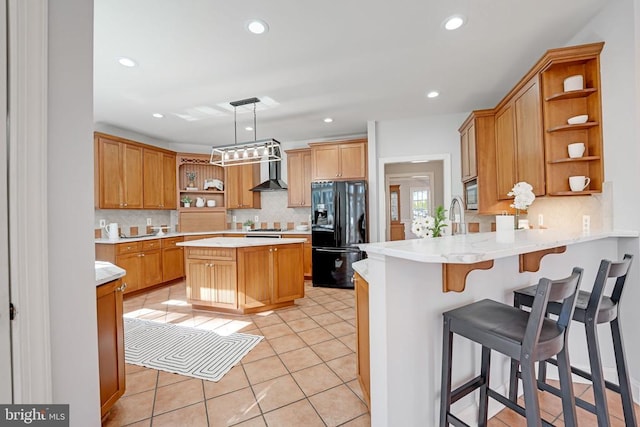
x=524 y=336
x=592 y=309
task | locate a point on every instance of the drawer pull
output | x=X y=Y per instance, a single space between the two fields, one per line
x=122 y=287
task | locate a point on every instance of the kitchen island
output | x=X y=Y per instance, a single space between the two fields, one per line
x=243 y=275
x=410 y=286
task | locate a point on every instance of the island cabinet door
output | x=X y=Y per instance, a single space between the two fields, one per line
x=288 y=274
x=254 y=276
x=212 y=283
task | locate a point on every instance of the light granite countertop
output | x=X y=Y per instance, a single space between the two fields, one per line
x=239 y=242
x=476 y=247
x=107 y=272
x=197 y=233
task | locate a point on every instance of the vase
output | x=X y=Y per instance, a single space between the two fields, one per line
x=187 y=205
x=191 y=184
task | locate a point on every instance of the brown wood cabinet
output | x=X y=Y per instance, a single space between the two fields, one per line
x=244 y=280
x=159 y=179
x=340 y=160
x=212 y=282
x=481 y=123
x=468 y=152
x=558 y=106
x=299 y=177
x=362 y=336
x=240 y=180
x=531 y=133
x=306 y=255
x=172 y=259
x=110 y=343
x=397 y=231
x=118 y=173
x=519 y=144
x=131 y=175
x=143 y=261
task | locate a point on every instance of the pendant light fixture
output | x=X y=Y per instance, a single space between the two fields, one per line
x=264 y=150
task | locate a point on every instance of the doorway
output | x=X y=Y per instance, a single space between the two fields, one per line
x=431 y=171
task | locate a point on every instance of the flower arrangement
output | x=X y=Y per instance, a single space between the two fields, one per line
x=191 y=176
x=430 y=226
x=523 y=195
x=186 y=200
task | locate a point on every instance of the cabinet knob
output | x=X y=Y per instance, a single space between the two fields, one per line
x=275 y=249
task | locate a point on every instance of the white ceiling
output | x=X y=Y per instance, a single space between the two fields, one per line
x=352 y=60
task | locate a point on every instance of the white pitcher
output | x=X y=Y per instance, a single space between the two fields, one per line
x=199 y=202
x=112 y=231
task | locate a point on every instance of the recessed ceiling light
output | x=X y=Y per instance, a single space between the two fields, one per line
x=248 y=128
x=419 y=161
x=257 y=26
x=158 y=115
x=328 y=120
x=433 y=94
x=127 y=62
x=454 y=22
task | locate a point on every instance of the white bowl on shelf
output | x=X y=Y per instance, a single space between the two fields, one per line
x=576 y=120
x=302 y=227
x=573 y=83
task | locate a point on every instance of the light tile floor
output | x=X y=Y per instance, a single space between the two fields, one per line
x=302 y=374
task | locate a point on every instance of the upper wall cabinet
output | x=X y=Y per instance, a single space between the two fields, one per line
x=159 y=179
x=299 y=177
x=339 y=160
x=240 y=180
x=532 y=132
x=519 y=144
x=118 y=173
x=130 y=175
x=559 y=104
x=477 y=141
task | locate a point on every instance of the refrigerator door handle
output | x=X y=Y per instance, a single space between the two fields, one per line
x=338 y=251
x=336 y=217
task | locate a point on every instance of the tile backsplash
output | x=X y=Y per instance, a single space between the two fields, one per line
x=274 y=209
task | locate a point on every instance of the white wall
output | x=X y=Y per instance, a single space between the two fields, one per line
x=74 y=355
x=618 y=25
x=422 y=136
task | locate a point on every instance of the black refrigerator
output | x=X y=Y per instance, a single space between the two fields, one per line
x=338 y=224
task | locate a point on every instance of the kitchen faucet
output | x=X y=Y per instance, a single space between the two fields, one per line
x=458 y=226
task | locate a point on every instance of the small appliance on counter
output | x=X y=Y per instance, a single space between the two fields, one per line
x=339 y=224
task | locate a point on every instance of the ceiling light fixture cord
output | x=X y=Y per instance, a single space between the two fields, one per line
x=255 y=128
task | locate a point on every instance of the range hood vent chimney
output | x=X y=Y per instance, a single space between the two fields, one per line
x=275 y=182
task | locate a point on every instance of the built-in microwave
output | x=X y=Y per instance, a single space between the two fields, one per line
x=471 y=194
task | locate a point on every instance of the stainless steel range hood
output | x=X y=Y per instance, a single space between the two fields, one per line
x=275 y=182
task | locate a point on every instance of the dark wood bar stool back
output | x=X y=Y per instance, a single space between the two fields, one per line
x=592 y=309
x=524 y=336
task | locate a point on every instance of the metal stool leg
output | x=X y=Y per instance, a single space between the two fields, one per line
x=445 y=389
x=623 y=376
x=597 y=377
x=484 y=397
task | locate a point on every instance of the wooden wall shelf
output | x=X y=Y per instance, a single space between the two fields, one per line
x=571 y=95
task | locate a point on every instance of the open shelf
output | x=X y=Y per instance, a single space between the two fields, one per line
x=575 y=159
x=572 y=94
x=575 y=193
x=579 y=126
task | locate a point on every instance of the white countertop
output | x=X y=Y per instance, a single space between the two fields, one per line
x=476 y=247
x=197 y=233
x=107 y=272
x=239 y=242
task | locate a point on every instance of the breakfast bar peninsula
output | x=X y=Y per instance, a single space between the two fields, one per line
x=243 y=275
x=412 y=282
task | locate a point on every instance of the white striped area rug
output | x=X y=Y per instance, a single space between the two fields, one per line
x=184 y=350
